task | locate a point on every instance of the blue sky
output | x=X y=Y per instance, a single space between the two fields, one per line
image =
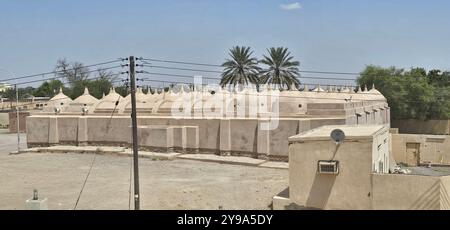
x=325 y=35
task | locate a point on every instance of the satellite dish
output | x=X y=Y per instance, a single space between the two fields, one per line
x=337 y=136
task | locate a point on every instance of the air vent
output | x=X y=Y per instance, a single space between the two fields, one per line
x=328 y=167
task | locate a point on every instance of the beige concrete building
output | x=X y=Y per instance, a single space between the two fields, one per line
x=242 y=121
x=5 y=86
x=415 y=149
x=360 y=173
x=432 y=127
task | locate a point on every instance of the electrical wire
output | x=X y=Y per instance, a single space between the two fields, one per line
x=179 y=62
x=59 y=71
x=212 y=71
x=216 y=78
x=85 y=180
x=211 y=78
x=59 y=77
x=216 y=65
x=187 y=69
x=96 y=78
x=87 y=177
x=114 y=110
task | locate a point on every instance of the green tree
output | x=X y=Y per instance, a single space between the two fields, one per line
x=26 y=92
x=9 y=94
x=419 y=96
x=96 y=87
x=440 y=107
x=438 y=78
x=242 y=68
x=72 y=72
x=78 y=77
x=413 y=94
x=122 y=90
x=281 y=69
x=48 y=88
x=99 y=87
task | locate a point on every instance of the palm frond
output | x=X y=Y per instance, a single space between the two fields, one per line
x=280 y=70
x=242 y=68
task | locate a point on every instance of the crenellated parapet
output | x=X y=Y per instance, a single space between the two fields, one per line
x=207 y=101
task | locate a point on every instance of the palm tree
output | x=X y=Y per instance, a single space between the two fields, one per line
x=282 y=70
x=241 y=68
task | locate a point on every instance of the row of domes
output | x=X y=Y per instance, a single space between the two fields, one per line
x=157 y=101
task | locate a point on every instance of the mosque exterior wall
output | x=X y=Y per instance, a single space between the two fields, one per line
x=241 y=137
x=258 y=128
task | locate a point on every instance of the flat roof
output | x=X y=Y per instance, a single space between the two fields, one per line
x=351 y=132
x=431 y=171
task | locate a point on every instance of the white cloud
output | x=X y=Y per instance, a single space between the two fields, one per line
x=292 y=6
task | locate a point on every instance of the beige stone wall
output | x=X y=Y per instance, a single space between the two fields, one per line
x=4 y=120
x=67 y=129
x=209 y=130
x=22 y=121
x=351 y=189
x=109 y=130
x=236 y=136
x=244 y=135
x=445 y=193
x=279 y=138
x=436 y=127
x=38 y=130
x=406 y=192
x=432 y=148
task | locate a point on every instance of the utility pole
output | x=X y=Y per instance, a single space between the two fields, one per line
x=17 y=118
x=134 y=131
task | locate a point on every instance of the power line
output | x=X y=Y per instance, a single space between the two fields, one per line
x=328 y=72
x=59 y=77
x=85 y=180
x=171 y=82
x=61 y=71
x=187 y=69
x=170 y=68
x=177 y=75
x=179 y=62
x=211 y=78
x=114 y=110
x=216 y=65
x=95 y=78
x=212 y=71
x=186 y=76
x=327 y=78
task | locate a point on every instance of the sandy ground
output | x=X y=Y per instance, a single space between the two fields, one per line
x=8 y=141
x=178 y=184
